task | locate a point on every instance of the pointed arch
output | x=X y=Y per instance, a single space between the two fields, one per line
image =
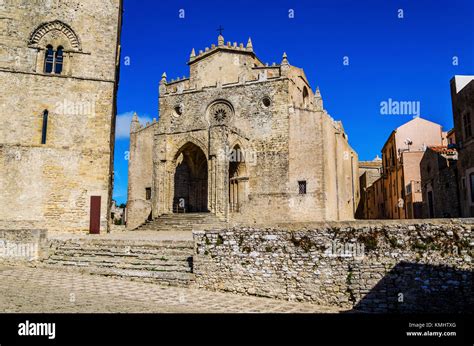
x=190 y=191
x=45 y=28
x=187 y=141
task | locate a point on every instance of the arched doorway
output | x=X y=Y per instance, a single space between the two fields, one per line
x=190 y=180
x=237 y=179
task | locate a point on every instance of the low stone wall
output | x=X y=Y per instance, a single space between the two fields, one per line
x=19 y=224
x=19 y=245
x=374 y=267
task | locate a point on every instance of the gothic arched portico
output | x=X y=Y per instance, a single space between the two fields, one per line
x=190 y=180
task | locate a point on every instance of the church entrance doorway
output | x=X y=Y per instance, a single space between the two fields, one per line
x=190 y=180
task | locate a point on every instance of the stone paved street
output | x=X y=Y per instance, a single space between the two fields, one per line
x=31 y=290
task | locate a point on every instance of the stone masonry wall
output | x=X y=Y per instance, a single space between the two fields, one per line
x=19 y=245
x=140 y=176
x=370 y=266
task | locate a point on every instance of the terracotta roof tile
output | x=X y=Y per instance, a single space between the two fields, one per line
x=442 y=149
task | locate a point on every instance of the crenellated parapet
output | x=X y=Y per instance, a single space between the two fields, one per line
x=178 y=85
x=182 y=86
x=135 y=125
x=233 y=47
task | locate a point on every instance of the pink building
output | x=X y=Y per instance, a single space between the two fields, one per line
x=401 y=157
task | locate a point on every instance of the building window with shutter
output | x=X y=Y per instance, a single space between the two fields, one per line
x=148 y=193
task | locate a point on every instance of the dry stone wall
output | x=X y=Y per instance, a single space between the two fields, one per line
x=375 y=267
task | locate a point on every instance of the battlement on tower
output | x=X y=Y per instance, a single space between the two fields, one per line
x=221 y=46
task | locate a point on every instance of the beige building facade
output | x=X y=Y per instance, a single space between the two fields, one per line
x=462 y=96
x=245 y=141
x=401 y=157
x=369 y=172
x=375 y=200
x=59 y=64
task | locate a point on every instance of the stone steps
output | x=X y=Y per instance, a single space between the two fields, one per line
x=120 y=265
x=124 y=252
x=182 y=222
x=165 y=261
x=122 y=258
x=168 y=262
x=168 y=278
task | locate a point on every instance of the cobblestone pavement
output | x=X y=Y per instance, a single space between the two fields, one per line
x=44 y=290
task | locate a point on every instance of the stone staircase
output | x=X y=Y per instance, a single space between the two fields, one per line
x=182 y=222
x=168 y=261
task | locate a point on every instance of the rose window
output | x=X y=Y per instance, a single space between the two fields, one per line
x=220 y=112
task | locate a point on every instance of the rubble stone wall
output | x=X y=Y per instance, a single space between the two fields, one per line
x=410 y=266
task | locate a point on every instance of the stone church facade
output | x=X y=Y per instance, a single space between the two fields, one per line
x=245 y=141
x=59 y=63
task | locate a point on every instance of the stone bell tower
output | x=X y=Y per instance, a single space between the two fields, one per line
x=59 y=64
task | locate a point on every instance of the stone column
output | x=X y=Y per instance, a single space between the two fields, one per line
x=218 y=190
x=169 y=188
x=211 y=205
x=231 y=196
x=237 y=197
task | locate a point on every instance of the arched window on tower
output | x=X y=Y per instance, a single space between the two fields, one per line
x=305 y=97
x=57 y=43
x=44 y=130
x=49 y=59
x=58 y=63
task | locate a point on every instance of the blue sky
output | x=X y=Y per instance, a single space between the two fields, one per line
x=404 y=59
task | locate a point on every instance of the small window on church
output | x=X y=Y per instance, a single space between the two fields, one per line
x=266 y=102
x=58 y=65
x=302 y=187
x=148 y=193
x=178 y=110
x=44 y=130
x=49 y=59
x=305 y=97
